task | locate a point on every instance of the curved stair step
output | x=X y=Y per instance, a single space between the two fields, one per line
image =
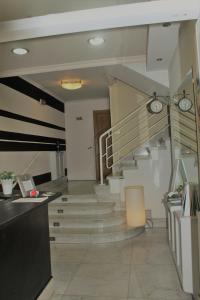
x=87 y=221
x=104 y=235
x=80 y=209
x=87 y=198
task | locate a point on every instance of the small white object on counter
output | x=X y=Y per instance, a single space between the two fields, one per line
x=26 y=200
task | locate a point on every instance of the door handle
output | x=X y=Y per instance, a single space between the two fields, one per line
x=89 y=148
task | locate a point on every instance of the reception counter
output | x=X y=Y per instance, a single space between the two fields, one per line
x=25 y=266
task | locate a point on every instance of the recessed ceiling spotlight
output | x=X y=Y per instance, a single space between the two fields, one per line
x=96 y=41
x=159 y=59
x=167 y=24
x=20 y=51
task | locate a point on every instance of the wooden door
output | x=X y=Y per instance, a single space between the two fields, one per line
x=102 y=122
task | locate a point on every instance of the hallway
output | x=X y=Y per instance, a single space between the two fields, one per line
x=136 y=269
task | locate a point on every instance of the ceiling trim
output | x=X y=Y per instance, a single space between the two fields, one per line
x=135 y=14
x=73 y=65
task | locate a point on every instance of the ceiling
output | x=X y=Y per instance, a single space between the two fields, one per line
x=12 y=10
x=95 y=83
x=70 y=51
x=55 y=58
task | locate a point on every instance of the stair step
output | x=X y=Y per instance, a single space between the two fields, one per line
x=128 y=163
x=91 y=198
x=80 y=209
x=103 y=235
x=115 y=218
x=102 y=189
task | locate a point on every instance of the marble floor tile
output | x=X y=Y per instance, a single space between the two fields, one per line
x=109 y=254
x=64 y=297
x=60 y=286
x=134 y=288
x=62 y=271
x=68 y=253
x=107 y=298
x=155 y=235
x=151 y=253
x=157 y=282
x=56 y=297
x=137 y=269
x=100 y=280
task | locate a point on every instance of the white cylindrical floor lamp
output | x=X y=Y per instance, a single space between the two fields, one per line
x=135 y=210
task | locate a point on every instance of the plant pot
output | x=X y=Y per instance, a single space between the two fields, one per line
x=7 y=186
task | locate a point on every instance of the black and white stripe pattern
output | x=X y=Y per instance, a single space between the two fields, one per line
x=25 y=124
x=32 y=91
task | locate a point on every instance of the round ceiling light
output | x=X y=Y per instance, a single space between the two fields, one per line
x=96 y=41
x=71 y=85
x=20 y=51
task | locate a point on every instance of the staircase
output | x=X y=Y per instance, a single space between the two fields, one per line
x=130 y=134
x=89 y=218
x=101 y=217
x=137 y=149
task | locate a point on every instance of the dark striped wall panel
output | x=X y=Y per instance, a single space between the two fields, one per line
x=11 y=115
x=27 y=126
x=32 y=91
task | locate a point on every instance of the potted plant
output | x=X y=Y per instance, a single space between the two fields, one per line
x=7 y=179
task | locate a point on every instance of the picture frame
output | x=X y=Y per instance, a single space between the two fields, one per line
x=26 y=184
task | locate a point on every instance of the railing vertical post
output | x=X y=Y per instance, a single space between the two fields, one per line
x=101 y=160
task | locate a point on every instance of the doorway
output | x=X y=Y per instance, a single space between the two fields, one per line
x=102 y=122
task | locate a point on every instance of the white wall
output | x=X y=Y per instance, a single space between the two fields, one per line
x=154 y=175
x=160 y=76
x=80 y=136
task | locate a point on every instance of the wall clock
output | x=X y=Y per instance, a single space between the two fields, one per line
x=184 y=104
x=155 y=106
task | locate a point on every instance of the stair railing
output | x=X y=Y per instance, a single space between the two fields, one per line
x=139 y=135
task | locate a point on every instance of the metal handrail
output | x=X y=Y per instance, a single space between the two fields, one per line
x=141 y=143
x=180 y=132
x=126 y=118
x=119 y=126
x=176 y=120
x=186 y=146
x=140 y=127
x=138 y=136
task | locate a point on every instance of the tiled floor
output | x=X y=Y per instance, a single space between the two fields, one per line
x=140 y=268
x=73 y=187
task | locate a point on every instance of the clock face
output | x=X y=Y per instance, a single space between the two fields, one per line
x=156 y=106
x=185 y=104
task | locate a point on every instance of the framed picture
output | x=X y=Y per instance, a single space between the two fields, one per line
x=26 y=184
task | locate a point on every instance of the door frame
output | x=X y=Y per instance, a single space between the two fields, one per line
x=96 y=141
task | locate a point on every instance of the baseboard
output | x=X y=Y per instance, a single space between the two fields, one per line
x=48 y=291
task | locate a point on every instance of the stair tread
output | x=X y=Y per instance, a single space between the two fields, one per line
x=82 y=205
x=79 y=195
x=87 y=218
x=90 y=231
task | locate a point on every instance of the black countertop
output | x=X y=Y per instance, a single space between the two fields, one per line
x=10 y=211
